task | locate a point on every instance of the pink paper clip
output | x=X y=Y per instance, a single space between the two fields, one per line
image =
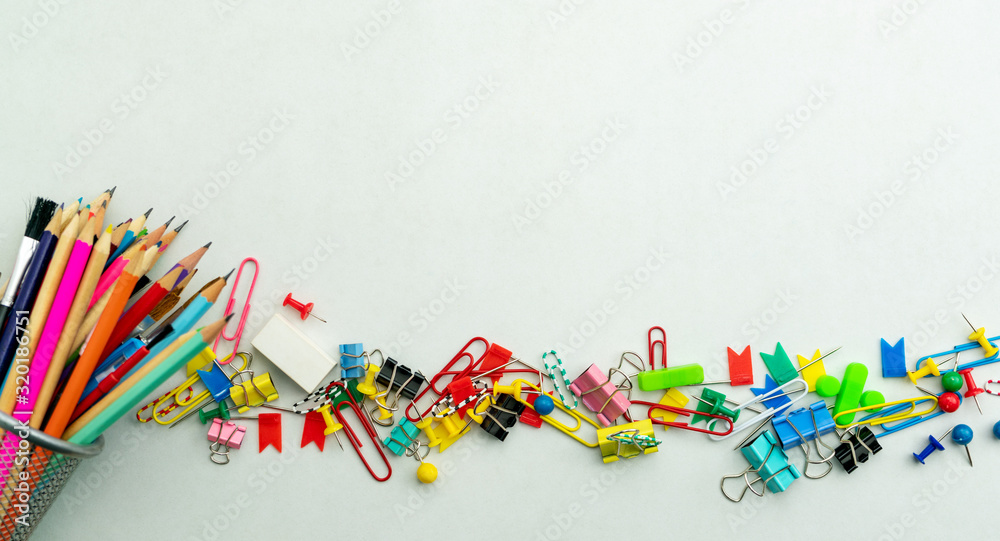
x=235 y=337
x=600 y=395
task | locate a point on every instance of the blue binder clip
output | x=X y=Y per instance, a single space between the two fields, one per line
x=803 y=425
x=402 y=436
x=352 y=361
x=769 y=462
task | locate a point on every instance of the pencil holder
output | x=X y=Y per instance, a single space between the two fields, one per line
x=36 y=472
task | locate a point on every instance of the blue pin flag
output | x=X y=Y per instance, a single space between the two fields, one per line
x=893 y=359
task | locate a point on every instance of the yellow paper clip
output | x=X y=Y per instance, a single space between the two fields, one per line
x=192 y=401
x=876 y=420
x=515 y=389
x=258 y=390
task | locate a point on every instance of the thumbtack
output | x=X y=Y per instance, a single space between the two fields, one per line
x=930 y=367
x=979 y=335
x=935 y=445
x=971 y=388
x=962 y=435
x=305 y=310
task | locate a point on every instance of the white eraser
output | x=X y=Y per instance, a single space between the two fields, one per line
x=293 y=353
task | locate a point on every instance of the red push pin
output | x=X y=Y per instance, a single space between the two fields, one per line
x=971 y=388
x=305 y=310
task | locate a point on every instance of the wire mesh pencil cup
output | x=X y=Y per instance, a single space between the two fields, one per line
x=50 y=463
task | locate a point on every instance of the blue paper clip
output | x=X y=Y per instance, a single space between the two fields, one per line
x=892 y=428
x=964 y=347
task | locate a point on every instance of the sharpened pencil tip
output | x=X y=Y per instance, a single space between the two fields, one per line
x=228 y=274
x=178 y=228
x=207 y=245
x=147 y=213
x=230 y=316
x=111 y=192
x=168 y=221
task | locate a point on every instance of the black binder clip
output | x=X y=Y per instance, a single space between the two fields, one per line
x=396 y=377
x=856 y=448
x=502 y=413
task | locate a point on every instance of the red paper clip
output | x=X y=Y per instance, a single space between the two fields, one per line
x=687 y=413
x=473 y=362
x=355 y=442
x=235 y=337
x=652 y=347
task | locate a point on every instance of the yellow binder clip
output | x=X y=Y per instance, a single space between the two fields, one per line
x=253 y=393
x=627 y=441
x=185 y=406
x=519 y=386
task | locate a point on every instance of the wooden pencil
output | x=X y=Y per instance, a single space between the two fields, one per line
x=95 y=345
x=73 y=321
x=133 y=390
x=128 y=322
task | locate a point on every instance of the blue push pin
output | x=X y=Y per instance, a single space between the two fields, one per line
x=934 y=446
x=544 y=404
x=962 y=435
x=996 y=430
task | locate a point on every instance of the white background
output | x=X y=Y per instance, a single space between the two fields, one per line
x=364 y=89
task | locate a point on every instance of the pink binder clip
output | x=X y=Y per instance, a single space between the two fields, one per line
x=235 y=336
x=225 y=434
x=600 y=395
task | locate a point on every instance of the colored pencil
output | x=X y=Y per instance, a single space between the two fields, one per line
x=61 y=304
x=69 y=211
x=137 y=387
x=134 y=227
x=95 y=345
x=76 y=313
x=141 y=309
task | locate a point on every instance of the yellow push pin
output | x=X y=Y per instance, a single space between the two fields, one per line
x=332 y=427
x=979 y=335
x=367 y=387
x=930 y=367
x=426 y=472
x=384 y=411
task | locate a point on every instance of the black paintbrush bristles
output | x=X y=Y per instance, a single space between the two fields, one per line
x=40 y=216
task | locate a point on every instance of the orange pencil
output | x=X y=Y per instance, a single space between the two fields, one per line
x=95 y=345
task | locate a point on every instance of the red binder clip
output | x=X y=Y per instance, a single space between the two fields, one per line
x=348 y=401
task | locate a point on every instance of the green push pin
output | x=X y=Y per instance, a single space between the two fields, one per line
x=952 y=381
x=871 y=398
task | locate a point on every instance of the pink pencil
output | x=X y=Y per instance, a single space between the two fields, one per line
x=108 y=278
x=49 y=338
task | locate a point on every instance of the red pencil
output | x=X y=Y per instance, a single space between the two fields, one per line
x=141 y=309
